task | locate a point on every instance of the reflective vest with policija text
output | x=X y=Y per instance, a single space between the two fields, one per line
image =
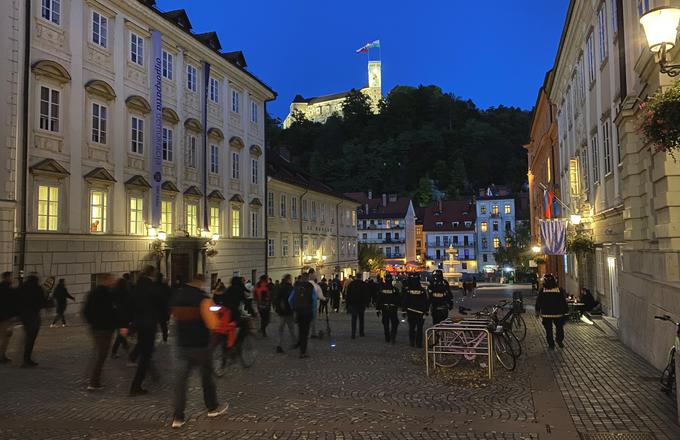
x=439 y=295
x=416 y=301
x=551 y=303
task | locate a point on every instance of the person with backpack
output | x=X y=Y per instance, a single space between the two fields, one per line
x=283 y=308
x=551 y=306
x=335 y=289
x=303 y=301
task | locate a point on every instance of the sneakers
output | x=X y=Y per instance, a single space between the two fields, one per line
x=177 y=423
x=219 y=410
x=279 y=349
x=94 y=387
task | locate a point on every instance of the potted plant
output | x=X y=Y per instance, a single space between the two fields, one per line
x=661 y=119
x=580 y=243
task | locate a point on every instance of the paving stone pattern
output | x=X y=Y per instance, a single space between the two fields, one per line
x=361 y=389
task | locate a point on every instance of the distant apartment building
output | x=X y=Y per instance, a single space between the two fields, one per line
x=495 y=221
x=449 y=226
x=420 y=237
x=388 y=222
x=309 y=225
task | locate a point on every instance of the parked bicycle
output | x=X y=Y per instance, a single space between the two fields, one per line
x=668 y=384
x=505 y=325
x=233 y=341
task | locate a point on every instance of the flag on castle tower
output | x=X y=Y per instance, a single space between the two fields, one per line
x=374 y=45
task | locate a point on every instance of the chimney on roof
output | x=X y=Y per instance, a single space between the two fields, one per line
x=370 y=195
x=384 y=200
x=393 y=197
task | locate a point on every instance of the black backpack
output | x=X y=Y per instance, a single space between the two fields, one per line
x=302 y=302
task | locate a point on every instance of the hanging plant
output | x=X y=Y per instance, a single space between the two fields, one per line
x=211 y=252
x=157 y=249
x=580 y=243
x=661 y=119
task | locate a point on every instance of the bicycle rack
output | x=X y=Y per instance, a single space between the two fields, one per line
x=448 y=338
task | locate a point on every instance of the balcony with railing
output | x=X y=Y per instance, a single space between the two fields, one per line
x=383 y=240
x=368 y=227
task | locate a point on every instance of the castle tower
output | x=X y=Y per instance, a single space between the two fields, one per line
x=374 y=89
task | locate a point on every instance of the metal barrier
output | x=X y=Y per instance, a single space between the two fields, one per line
x=448 y=343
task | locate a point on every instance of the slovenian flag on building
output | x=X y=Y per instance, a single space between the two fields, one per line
x=374 y=45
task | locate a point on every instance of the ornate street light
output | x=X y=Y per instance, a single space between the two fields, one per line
x=661 y=29
x=575 y=219
x=536 y=249
x=162 y=235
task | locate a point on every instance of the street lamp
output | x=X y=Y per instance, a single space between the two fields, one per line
x=575 y=219
x=151 y=231
x=215 y=237
x=536 y=249
x=162 y=235
x=661 y=29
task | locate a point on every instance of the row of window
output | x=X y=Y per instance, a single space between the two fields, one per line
x=49 y=121
x=48 y=215
x=51 y=11
x=448 y=240
x=386 y=223
x=507 y=209
x=311 y=209
x=347 y=248
x=484 y=226
x=388 y=236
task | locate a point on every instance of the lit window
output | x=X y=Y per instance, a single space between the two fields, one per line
x=190 y=156
x=283 y=206
x=494 y=210
x=254 y=224
x=235 y=167
x=192 y=219
x=215 y=220
x=214 y=159
x=49 y=109
x=136 y=49
x=496 y=242
x=506 y=209
x=270 y=247
x=48 y=208
x=284 y=247
x=51 y=10
x=167 y=144
x=166 y=216
x=167 y=65
x=136 y=216
x=484 y=226
x=254 y=171
x=234 y=101
x=270 y=204
x=192 y=74
x=137 y=135
x=99 y=115
x=235 y=222
x=100 y=26
x=254 y=112
x=98 y=211
x=354 y=218
x=214 y=90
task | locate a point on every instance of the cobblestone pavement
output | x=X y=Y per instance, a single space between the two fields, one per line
x=360 y=389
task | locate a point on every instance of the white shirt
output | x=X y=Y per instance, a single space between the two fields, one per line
x=318 y=290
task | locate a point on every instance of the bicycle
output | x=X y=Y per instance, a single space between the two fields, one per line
x=668 y=383
x=504 y=326
x=241 y=348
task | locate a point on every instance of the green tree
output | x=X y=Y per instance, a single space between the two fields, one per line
x=371 y=258
x=423 y=194
x=517 y=251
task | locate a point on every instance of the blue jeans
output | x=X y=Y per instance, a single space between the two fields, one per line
x=188 y=358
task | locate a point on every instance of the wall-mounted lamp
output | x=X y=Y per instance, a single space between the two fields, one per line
x=661 y=29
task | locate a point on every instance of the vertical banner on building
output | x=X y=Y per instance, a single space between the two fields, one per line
x=156 y=127
x=554 y=236
x=206 y=90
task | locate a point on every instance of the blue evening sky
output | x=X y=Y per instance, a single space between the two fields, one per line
x=493 y=51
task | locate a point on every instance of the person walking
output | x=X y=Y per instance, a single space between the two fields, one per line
x=9 y=309
x=551 y=306
x=262 y=297
x=357 y=299
x=165 y=295
x=441 y=299
x=335 y=289
x=146 y=311
x=415 y=306
x=388 y=304
x=320 y=297
x=194 y=323
x=32 y=299
x=102 y=314
x=121 y=293
x=303 y=301
x=285 y=311
x=61 y=296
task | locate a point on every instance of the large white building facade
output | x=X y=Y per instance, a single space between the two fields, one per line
x=309 y=225
x=102 y=161
x=495 y=220
x=450 y=226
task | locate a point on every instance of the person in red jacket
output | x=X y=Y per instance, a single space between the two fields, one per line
x=263 y=299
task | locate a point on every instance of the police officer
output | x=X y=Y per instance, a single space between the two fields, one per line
x=415 y=307
x=440 y=297
x=388 y=304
